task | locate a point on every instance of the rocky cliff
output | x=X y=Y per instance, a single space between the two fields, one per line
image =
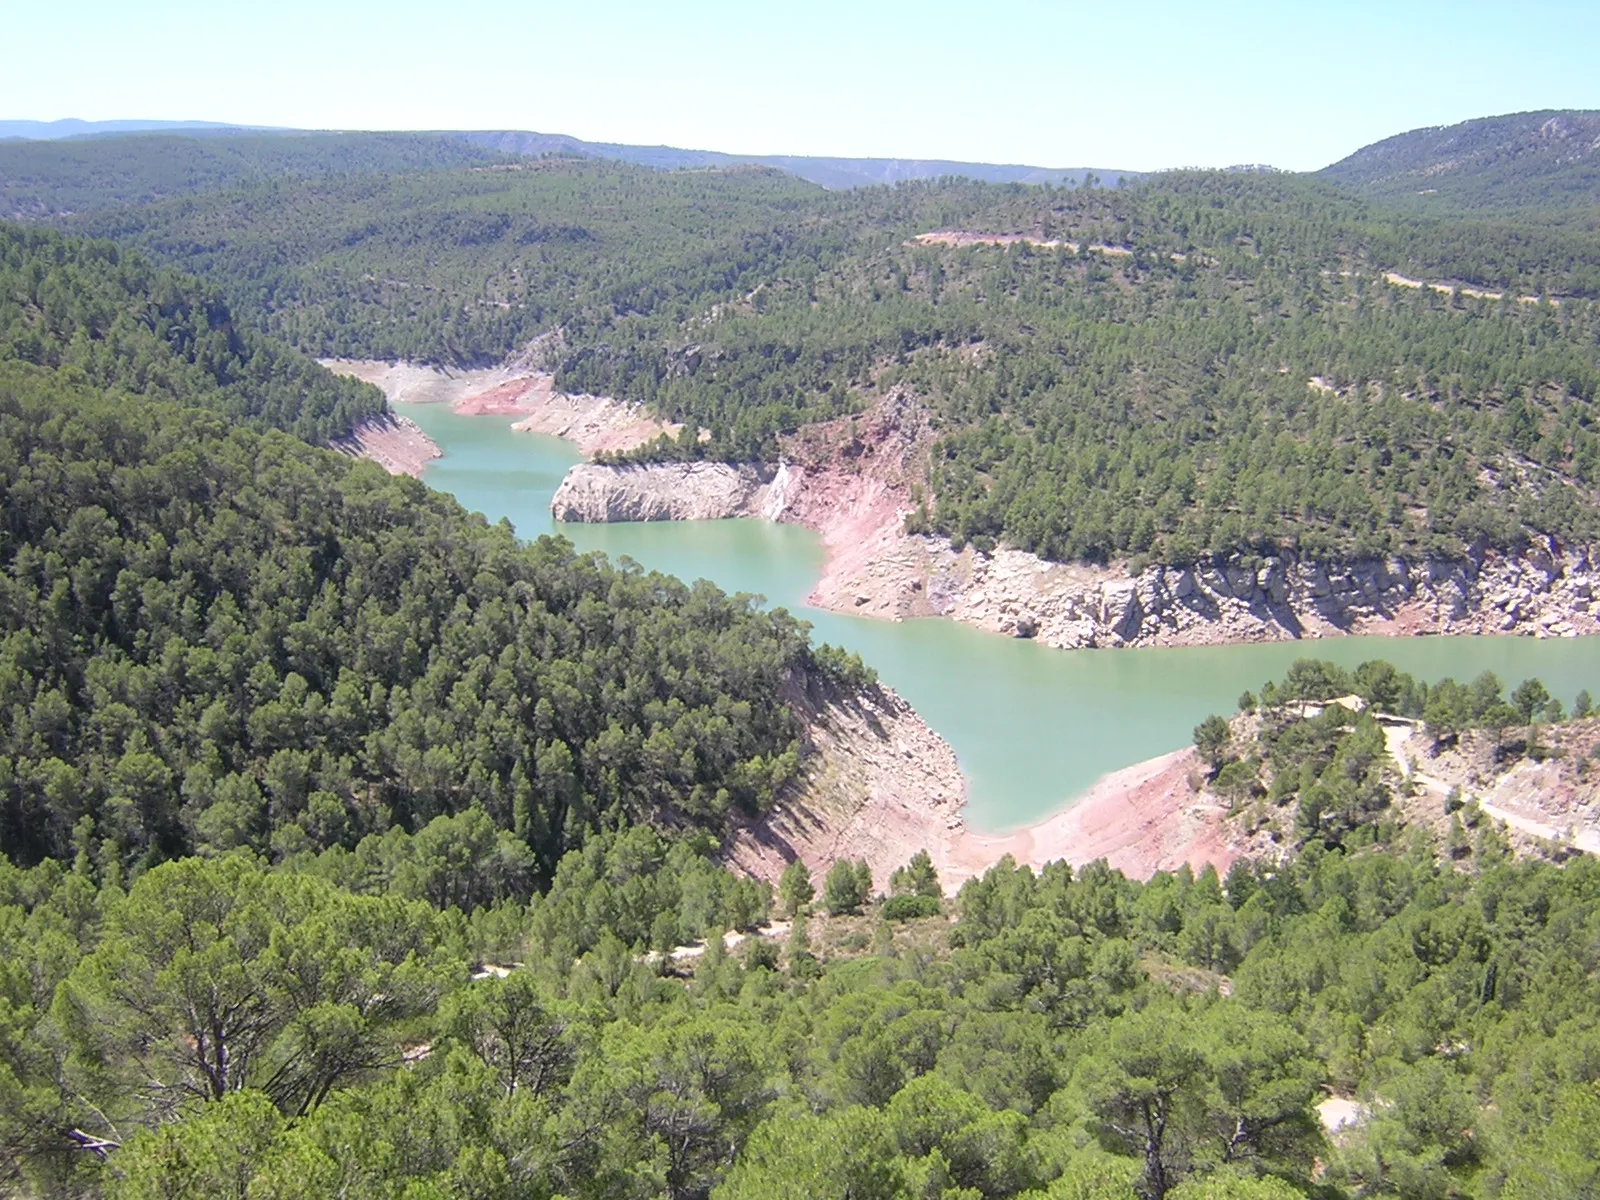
x=880 y=571
x=1545 y=592
x=699 y=491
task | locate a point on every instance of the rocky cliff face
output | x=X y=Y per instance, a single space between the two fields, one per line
x=700 y=491
x=1545 y=592
x=874 y=569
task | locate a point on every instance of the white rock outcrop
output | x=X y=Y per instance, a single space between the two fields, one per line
x=697 y=491
x=1545 y=591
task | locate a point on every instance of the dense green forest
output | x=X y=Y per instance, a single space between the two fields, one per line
x=221 y=1029
x=213 y=635
x=318 y=1019
x=1533 y=161
x=77 y=175
x=1237 y=375
x=105 y=317
x=217 y=638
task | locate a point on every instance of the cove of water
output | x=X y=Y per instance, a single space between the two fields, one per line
x=1033 y=727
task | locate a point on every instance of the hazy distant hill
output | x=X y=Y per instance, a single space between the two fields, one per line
x=828 y=172
x=1543 y=159
x=44 y=179
x=72 y=127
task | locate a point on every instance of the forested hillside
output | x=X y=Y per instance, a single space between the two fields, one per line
x=224 y=1029
x=48 y=179
x=105 y=317
x=1232 y=369
x=218 y=636
x=1536 y=161
x=1235 y=374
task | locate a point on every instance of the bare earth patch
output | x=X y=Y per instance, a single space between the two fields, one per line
x=881 y=785
x=592 y=423
x=962 y=237
x=1395 y=279
x=394 y=442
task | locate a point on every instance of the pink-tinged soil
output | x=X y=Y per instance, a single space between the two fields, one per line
x=506 y=399
x=881 y=785
x=852 y=483
x=393 y=442
x=1141 y=819
x=592 y=423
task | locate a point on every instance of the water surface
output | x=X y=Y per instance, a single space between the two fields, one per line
x=1033 y=727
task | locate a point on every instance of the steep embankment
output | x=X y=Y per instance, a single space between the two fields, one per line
x=881 y=785
x=699 y=491
x=592 y=423
x=1547 y=591
x=852 y=481
x=395 y=443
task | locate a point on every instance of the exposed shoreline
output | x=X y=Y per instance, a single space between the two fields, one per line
x=851 y=481
x=592 y=423
x=395 y=443
x=881 y=785
x=873 y=568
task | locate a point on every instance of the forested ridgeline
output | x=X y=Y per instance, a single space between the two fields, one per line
x=222 y=1029
x=56 y=178
x=215 y=637
x=1235 y=374
x=1532 y=161
x=108 y=318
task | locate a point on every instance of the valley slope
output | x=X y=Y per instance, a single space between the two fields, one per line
x=1208 y=406
x=1529 y=161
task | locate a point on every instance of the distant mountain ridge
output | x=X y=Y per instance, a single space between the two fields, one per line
x=1545 y=159
x=46 y=131
x=831 y=173
x=1549 y=159
x=46 y=179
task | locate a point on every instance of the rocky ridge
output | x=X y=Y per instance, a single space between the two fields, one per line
x=1545 y=591
x=877 y=570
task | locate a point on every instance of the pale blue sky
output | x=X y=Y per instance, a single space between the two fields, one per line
x=1139 y=84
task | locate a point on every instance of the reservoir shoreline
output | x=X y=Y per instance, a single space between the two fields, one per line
x=1028 y=731
x=858 y=501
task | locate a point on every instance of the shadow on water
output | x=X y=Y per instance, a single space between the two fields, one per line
x=1033 y=727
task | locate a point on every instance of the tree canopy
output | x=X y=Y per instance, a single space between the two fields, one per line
x=1199 y=363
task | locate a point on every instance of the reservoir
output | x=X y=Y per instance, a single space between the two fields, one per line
x=1032 y=726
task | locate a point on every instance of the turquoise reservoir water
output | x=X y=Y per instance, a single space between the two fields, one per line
x=1033 y=727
